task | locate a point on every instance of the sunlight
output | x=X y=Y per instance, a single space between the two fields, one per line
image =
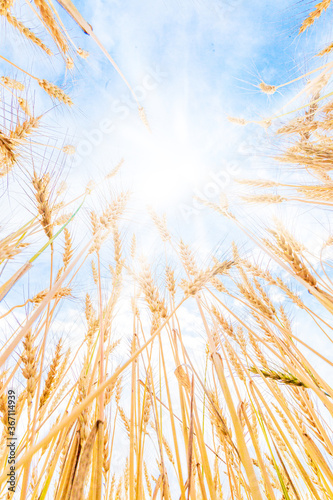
x=171 y=171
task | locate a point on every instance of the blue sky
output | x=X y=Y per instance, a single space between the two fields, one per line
x=191 y=63
x=194 y=60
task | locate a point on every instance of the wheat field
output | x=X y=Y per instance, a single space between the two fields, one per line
x=168 y=376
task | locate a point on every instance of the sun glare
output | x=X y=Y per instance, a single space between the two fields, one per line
x=171 y=171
